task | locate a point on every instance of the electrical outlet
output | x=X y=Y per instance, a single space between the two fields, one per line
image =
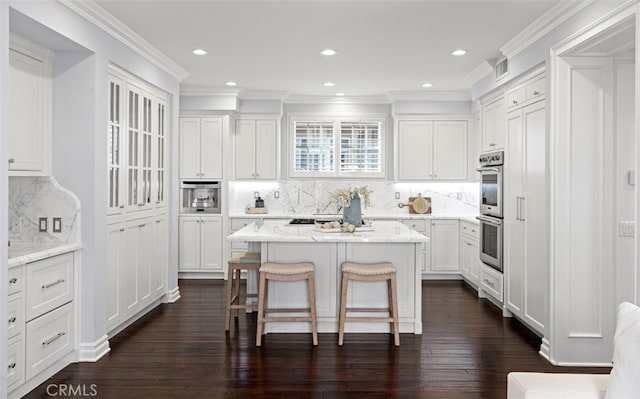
x=627 y=229
x=42 y=225
x=256 y=194
x=57 y=225
x=276 y=194
x=397 y=194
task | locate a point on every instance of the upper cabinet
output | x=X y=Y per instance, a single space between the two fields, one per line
x=527 y=93
x=493 y=125
x=201 y=148
x=432 y=150
x=29 y=145
x=256 y=149
x=136 y=146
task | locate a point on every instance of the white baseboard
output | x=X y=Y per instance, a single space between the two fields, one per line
x=93 y=351
x=173 y=295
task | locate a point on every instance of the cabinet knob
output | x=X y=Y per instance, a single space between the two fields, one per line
x=515 y=101
x=13 y=280
x=12 y=365
x=12 y=320
x=121 y=207
x=12 y=160
x=122 y=230
x=535 y=93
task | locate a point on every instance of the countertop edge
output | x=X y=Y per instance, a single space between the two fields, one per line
x=43 y=254
x=471 y=218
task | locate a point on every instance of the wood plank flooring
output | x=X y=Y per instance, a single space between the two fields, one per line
x=180 y=351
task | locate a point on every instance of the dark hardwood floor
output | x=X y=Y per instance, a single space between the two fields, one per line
x=181 y=351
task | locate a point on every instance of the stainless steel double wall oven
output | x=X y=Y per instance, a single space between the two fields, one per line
x=491 y=188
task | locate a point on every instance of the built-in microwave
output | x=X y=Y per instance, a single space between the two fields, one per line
x=491 y=184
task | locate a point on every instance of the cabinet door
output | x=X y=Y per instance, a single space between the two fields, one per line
x=160 y=190
x=474 y=147
x=514 y=253
x=115 y=147
x=415 y=149
x=115 y=269
x=469 y=261
x=134 y=139
x=189 y=148
x=266 y=150
x=129 y=280
x=145 y=258
x=160 y=262
x=450 y=150
x=211 y=243
x=147 y=136
x=211 y=148
x=245 y=149
x=493 y=125
x=444 y=246
x=189 y=243
x=513 y=168
x=26 y=146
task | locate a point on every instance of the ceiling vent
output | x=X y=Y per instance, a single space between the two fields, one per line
x=502 y=68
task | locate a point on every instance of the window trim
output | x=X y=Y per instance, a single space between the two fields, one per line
x=337 y=119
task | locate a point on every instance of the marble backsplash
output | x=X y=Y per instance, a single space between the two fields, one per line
x=31 y=198
x=305 y=197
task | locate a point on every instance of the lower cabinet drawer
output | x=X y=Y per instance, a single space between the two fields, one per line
x=15 y=363
x=15 y=317
x=16 y=279
x=49 y=338
x=491 y=281
x=49 y=284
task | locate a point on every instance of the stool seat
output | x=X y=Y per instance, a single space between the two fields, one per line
x=286 y=268
x=368 y=269
x=246 y=257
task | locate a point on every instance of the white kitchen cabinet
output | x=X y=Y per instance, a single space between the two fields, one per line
x=470 y=263
x=160 y=258
x=136 y=283
x=201 y=151
x=29 y=122
x=445 y=244
x=424 y=227
x=116 y=261
x=15 y=328
x=160 y=151
x=526 y=249
x=256 y=149
x=474 y=143
x=200 y=243
x=493 y=125
x=432 y=150
x=533 y=90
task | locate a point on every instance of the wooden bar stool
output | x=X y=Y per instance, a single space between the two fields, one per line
x=369 y=272
x=286 y=272
x=235 y=299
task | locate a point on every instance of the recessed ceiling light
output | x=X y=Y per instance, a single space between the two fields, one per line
x=199 y=51
x=340 y=94
x=427 y=84
x=328 y=52
x=230 y=83
x=328 y=84
x=459 y=52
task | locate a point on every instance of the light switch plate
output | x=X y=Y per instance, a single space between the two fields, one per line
x=276 y=194
x=627 y=229
x=397 y=194
x=256 y=194
x=57 y=225
x=42 y=225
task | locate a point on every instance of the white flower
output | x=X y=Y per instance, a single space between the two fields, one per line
x=343 y=196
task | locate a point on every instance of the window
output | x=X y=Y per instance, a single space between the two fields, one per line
x=337 y=147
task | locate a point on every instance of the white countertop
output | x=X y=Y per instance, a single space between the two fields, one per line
x=280 y=231
x=390 y=216
x=21 y=253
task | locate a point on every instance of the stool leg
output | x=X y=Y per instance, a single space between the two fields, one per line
x=237 y=289
x=312 y=306
x=394 y=308
x=227 y=314
x=343 y=308
x=261 y=305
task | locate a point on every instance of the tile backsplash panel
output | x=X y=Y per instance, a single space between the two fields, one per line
x=33 y=197
x=305 y=197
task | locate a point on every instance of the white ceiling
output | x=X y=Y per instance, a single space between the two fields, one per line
x=383 y=45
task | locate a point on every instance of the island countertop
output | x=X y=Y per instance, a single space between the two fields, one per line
x=279 y=231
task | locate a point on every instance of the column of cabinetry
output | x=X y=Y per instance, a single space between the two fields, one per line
x=201 y=148
x=493 y=124
x=137 y=230
x=469 y=253
x=200 y=246
x=432 y=150
x=29 y=138
x=526 y=249
x=256 y=149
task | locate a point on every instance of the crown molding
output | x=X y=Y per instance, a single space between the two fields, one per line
x=204 y=91
x=309 y=99
x=279 y=95
x=478 y=73
x=543 y=25
x=429 y=96
x=98 y=16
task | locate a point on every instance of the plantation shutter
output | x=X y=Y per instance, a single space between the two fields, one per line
x=360 y=147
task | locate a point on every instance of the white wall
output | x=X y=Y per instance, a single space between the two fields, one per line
x=4 y=198
x=79 y=150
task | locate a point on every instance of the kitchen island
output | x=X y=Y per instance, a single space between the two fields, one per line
x=382 y=241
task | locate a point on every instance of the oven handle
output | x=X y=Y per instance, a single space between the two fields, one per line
x=495 y=222
x=481 y=170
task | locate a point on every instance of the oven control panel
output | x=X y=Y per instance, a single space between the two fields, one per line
x=492 y=159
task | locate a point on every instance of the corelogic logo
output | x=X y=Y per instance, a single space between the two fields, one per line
x=72 y=390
